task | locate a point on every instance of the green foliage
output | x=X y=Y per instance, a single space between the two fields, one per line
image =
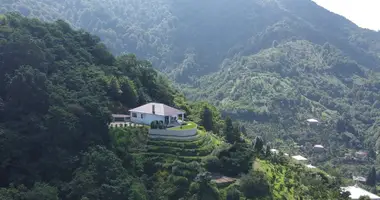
x=233 y=194
x=39 y=191
x=100 y=176
x=371 y=178
x=207 y=119
x=56 y=102
x=293 y=181
x=234 y=160
x=229 y=131
x=255 y=185
x=364 y=198
x=258 y=144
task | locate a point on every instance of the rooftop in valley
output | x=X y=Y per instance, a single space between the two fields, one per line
x=311 y=166
x=299 y=158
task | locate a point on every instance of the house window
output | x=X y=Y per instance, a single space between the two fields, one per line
x=134 y=115
x=142 y=116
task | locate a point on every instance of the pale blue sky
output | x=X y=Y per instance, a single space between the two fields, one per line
x=364 y=13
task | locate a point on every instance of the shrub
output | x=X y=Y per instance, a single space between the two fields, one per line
x=153 y=125
x=201 y=128
x=212 y=164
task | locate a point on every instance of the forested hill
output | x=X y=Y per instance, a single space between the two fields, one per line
x=272 y=63
x=57 y=90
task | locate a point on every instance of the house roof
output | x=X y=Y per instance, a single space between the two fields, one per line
x=359 y=178
x=311 y=166
x=356 y=192
x=318 y=146
x=159 y=108
x=274 y=150
x=299 y=158
x=312 y=120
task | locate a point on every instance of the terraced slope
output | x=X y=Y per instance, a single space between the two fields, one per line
x=168 y=150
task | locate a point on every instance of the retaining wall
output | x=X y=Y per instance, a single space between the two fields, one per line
x=194 y=137
x=173 y=133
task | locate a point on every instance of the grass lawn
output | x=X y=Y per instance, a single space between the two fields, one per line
x=189 y=125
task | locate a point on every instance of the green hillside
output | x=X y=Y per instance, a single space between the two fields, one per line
x=58 y=89
x=270 y=64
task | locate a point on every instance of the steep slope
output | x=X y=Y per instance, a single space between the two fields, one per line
x=57 y=89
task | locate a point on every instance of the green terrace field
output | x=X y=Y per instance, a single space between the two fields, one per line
x=189 y=125
x=166 y=150
x=186 y=151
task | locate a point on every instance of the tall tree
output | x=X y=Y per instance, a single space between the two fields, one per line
x=207 y=119
x=233 y=194
x=371 y=178
x=259 y=144
x=231 y=132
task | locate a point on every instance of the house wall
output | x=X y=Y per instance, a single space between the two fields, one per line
x=147 y=118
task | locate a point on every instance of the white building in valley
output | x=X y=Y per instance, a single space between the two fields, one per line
x=150 y=112
x=299 y=158
x=356 y=192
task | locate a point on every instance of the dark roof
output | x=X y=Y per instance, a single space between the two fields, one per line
x=159 y=108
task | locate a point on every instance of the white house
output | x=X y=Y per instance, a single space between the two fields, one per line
x=147 y=113
x=356 y=192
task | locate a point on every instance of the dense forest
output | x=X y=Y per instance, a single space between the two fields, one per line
x=270 y=64
x=59 y=87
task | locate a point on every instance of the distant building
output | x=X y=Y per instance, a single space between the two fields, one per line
x=312 y=120
x=359 y=178
x=299 y=158
x=274 y=151
x=356 y=192
x=311 y=166
x=361 y=155
x=318 y=148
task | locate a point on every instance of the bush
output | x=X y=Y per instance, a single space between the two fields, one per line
x=201 y=128
x=161 y=125
x=153 y=125
x=212 y=164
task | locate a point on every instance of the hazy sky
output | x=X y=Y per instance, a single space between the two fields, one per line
x=364 y=13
